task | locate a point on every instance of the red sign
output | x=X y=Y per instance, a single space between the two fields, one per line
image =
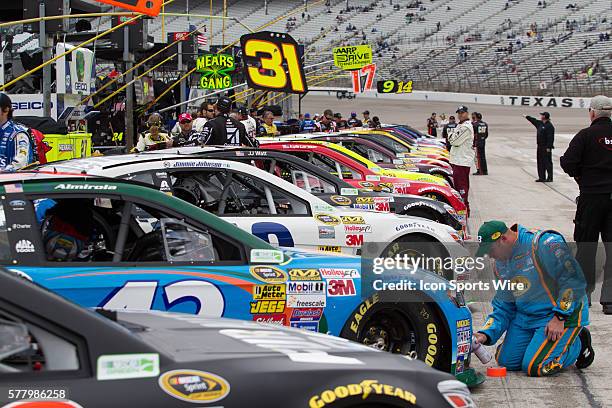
x=180 y=36
x=148 y=7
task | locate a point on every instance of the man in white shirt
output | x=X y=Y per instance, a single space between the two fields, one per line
x=461 y=140
x=249 y=123
x=206 y=113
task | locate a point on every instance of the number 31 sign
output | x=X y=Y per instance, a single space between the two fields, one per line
x=272 y=62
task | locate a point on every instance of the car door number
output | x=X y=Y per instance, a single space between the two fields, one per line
x=140 y=295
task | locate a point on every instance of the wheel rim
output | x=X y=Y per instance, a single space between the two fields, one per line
x=390 y=331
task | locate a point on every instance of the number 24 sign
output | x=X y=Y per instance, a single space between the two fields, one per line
x=272 y=62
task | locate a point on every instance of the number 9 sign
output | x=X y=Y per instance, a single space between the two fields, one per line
x=272 y=62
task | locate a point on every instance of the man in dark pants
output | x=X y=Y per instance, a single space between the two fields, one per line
x=447 y=129
x=481 y=132
x=589 y=160
x=545 y=139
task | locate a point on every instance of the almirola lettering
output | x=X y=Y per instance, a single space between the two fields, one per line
x=216 y=70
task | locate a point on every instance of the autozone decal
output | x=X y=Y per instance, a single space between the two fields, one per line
x=401 y=188
x=341 y=287
x=354 y=240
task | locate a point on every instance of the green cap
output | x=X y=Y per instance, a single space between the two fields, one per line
x=488 y=233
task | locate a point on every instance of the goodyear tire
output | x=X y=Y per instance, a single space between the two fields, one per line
x=413 y=328
x=423 y=213
x=424 y=246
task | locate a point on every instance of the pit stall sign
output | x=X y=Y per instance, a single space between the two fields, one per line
x=216 y=70
x=358 y=60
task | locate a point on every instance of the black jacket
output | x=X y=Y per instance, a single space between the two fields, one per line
x=589 y=157
x=546 y=132
x=225 y=131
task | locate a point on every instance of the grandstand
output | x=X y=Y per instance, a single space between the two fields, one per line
x=491 y=46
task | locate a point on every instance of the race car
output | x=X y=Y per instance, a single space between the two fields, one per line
x=360 y=176
x=386 y=157
x=92 y=240
x=403 y=146
x=433 y=147
x=65 y=356
x=328 y=187
x=409 y=175
x=416 y=135
x=292 y=217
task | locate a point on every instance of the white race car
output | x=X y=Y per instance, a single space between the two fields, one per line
x=274 y=209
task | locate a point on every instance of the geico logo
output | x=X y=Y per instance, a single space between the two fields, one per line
x=27 y=105
x=80 y=86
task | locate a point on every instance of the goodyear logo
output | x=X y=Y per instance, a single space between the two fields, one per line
x=348 y=219
x=269 y=292
x=269 y=274
x=327 y=219
x=364 y=389
x=304 y=274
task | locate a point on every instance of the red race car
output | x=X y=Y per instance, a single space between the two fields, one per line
x=361 y=177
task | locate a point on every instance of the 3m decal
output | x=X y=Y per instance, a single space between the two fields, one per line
x=122 y=366
x=365 y=389
x=269 y=274
x=194 y=386
x=341 y=287
x=304 y=274
x=354 y=240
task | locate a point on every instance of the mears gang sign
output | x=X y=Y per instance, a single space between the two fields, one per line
x=216 y=70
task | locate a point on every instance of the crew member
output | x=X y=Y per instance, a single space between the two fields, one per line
x=250 y=125
x=16 y=146
x=224 y=130
x=589 y=160
x=270 y=128
x=545 y=141
x=447 y=129
x=481 y=133
x=340 y=123
x=544 y=313
x=354 y=121
x=206 y=113
x=154 y=139
x=187 y=136
x=461 y=158
x=367 y=122
x=326 y=123
x=432 y=125
x=307 y=125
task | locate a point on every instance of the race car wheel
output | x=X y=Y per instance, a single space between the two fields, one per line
x=436 y=197
x=423 y=213
x=446 y=177
x=412 y=328
x=424 y=246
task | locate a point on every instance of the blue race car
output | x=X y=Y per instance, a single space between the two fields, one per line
x=93 y=241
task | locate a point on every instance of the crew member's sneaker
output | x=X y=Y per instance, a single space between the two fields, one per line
x=587 y=354
x=540 y=181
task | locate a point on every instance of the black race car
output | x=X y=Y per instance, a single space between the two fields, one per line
x=53 y=350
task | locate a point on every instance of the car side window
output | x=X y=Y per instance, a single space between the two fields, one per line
x=229 y=193
x=336 y=168
x=300 y=177
x=28 y=348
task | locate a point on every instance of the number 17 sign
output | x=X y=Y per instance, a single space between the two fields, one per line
x=367 y=73
x=148 y=7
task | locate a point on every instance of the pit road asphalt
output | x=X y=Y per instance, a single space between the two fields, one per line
x=510 y=194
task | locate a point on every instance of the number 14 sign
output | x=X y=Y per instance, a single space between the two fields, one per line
x=363 y=78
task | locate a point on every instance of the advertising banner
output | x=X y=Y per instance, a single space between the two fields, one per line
x=75 y=72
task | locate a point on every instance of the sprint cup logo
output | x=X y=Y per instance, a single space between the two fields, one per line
x=194 y=385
